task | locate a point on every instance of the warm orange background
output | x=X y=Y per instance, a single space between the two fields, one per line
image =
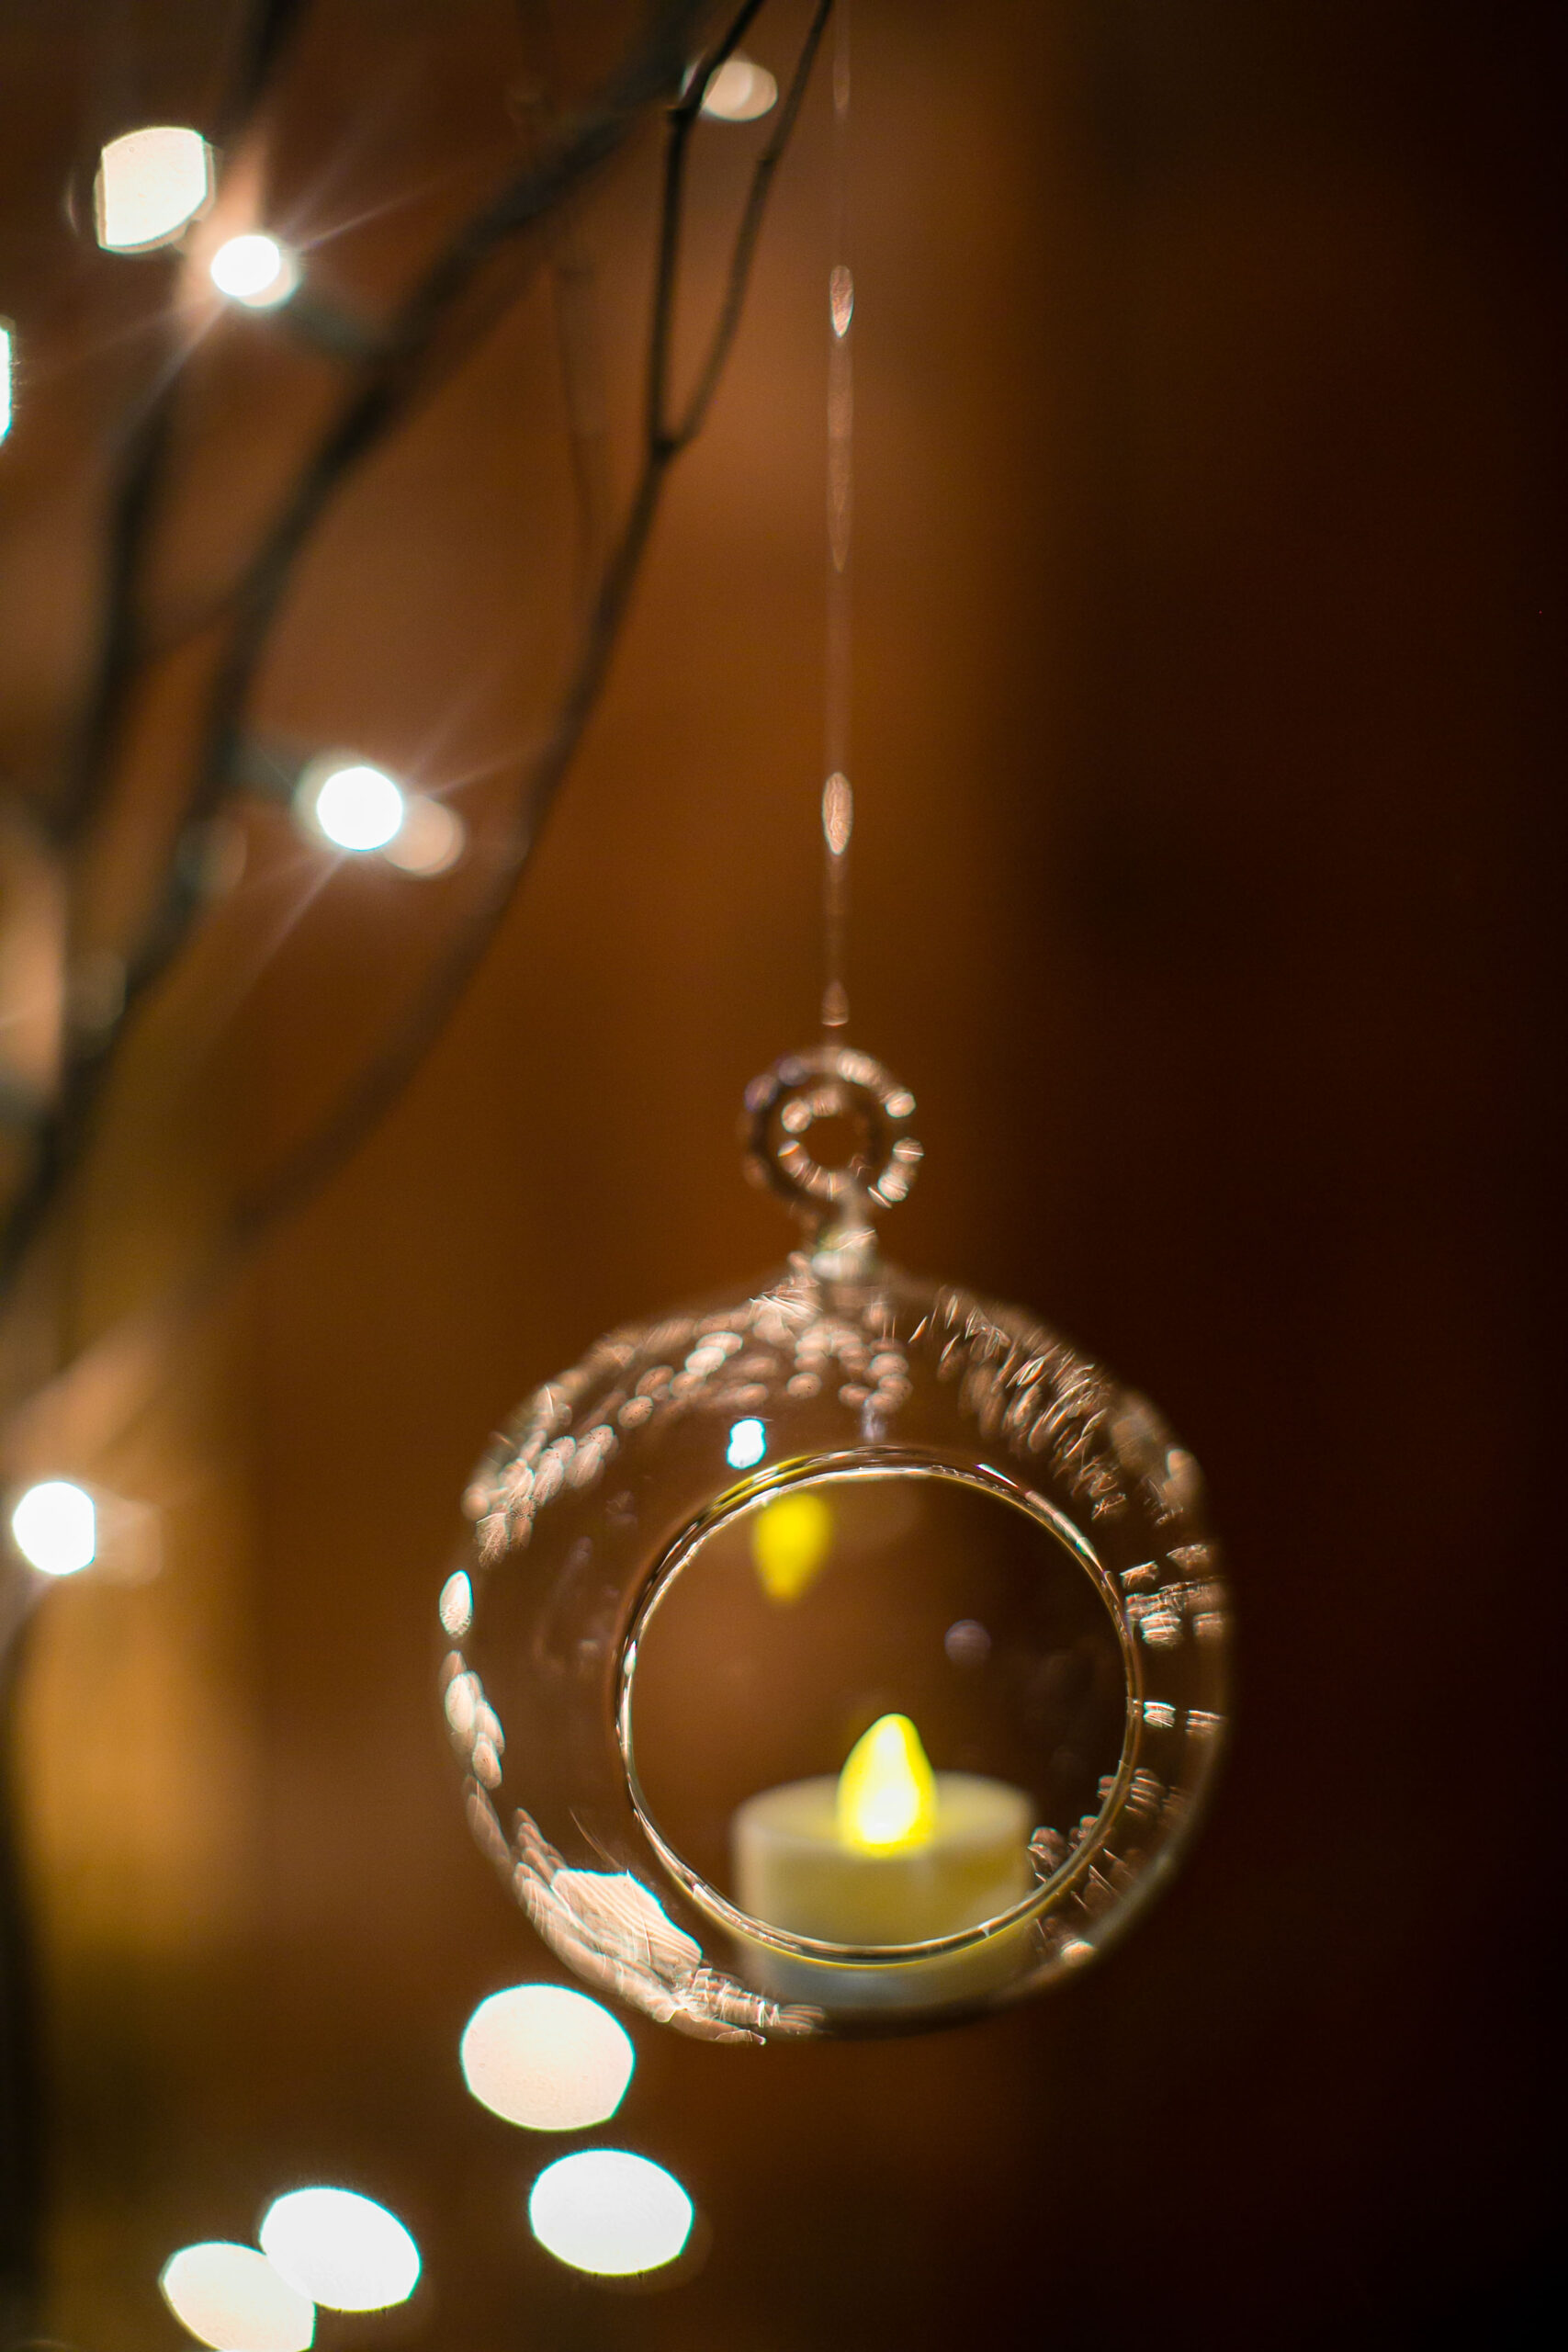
x=1209 y=621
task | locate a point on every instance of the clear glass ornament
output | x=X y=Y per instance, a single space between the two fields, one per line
x=845 y=1656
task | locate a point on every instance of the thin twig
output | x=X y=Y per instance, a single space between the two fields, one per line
x=302 y=1173
x=136 y=499
x=416 y=348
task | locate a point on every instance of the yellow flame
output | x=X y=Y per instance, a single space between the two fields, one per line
x=886 y=1790
x=790 y=1541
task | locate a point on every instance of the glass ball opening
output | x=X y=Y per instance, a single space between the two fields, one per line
x=813 y=1608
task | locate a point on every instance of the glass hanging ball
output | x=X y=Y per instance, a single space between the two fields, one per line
x=843 y=1656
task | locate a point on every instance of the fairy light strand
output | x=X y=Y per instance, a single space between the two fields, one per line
x=837 y=796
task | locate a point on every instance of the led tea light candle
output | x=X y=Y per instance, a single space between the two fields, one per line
x=891 y=1853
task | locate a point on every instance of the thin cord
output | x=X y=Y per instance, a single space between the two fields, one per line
x=838 y=796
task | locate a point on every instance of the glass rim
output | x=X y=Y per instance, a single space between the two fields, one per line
x=872 y=1464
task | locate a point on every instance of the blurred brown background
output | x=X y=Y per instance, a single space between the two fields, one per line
x=1207 y=742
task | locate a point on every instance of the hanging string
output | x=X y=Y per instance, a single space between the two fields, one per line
x=838 y=798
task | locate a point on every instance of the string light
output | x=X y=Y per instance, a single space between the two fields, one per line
x=55 y=1525
x=547 y=2058
x=151 y=185
x=739 y=91
x=254 y=269
x=431 y=839
x=350 y=803
x=232 y=2298
x=610 y=2213
x=340 y=2249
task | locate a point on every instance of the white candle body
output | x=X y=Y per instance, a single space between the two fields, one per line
x=792 y=1871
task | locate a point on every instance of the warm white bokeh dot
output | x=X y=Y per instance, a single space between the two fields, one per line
x=231 y=2297
x=356 y=805
x=547 y=2057
x=56 y=1527
x=610 y=2213
x=149 y=184
x=254 y=269
x=739 y=91
x=341 y=2249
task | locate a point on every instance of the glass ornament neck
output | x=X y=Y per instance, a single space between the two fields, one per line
x=849 y=1097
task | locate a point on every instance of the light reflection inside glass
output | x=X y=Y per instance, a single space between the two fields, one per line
x=232 y=2298
x=838 y=813
x=341 y=2249
x=748 y=1443
x=791 y=1539
x=547 y=2058
x=967 y=1643
x=457 y=1604
x=610 y=2213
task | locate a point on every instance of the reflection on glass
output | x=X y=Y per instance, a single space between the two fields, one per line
x=609 y=2212
x=255 y=270
x=149 y=184
x=838 y=799
x=56 y=1527
x=341 y=2249
x=790 y=1541
x=456 y=1604
x=967 y=1643
x=546 y=2057
x=231 y=2297
x=748 y=1443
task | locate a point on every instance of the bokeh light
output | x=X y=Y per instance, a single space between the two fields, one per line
x=254 y=269
x=341 y=2249
x=232 y=2298
x=610 y=2213
x=739 y=91
x=356 y=805
x=547 y=2057
x=149 y=184
x=55 y=1525
x=431 y=839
